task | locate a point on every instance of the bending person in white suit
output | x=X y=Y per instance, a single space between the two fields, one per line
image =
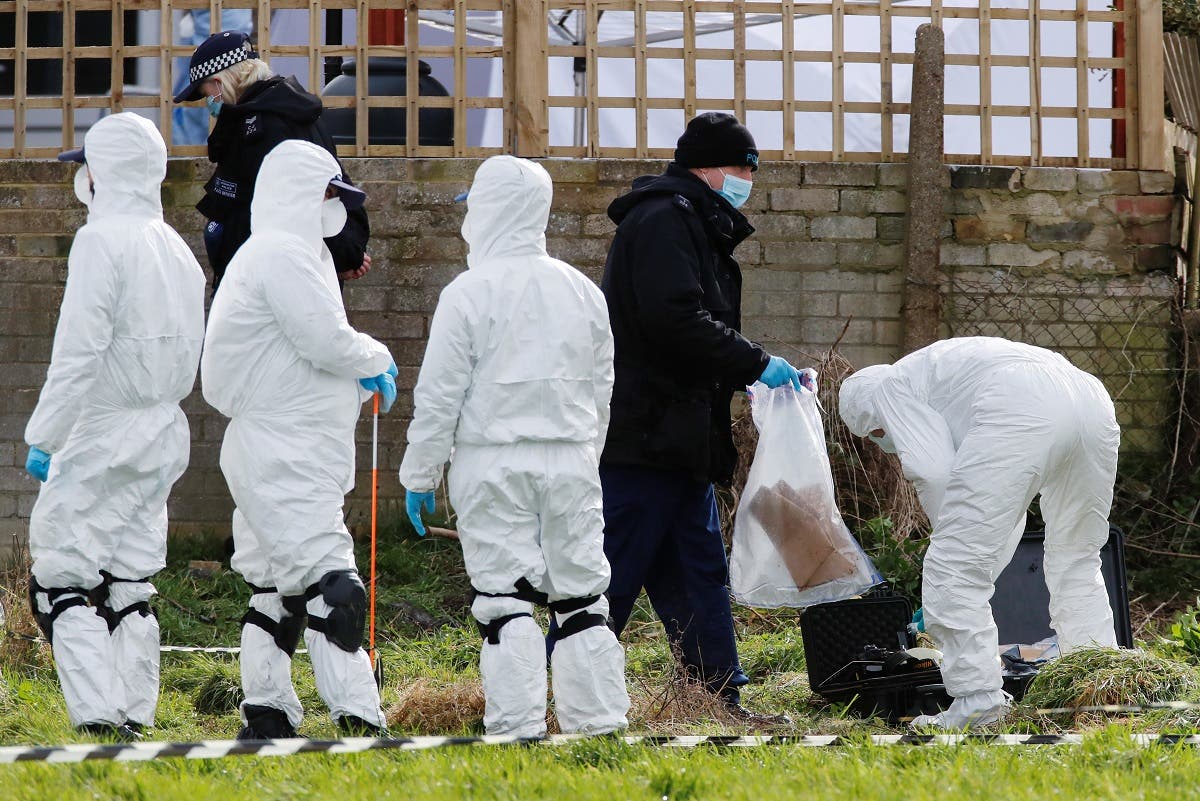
x=108 y=437
x=982 y=426
x=516 y=381
x=282 y=362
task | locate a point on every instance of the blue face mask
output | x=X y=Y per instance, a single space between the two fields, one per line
x=214 y=105
x=735 y=190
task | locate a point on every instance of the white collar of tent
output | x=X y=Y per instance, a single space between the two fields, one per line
x=813 y=80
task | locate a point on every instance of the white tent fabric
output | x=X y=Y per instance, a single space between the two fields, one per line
x=764 y=80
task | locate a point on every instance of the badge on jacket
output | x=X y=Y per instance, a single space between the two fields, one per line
x=251 y=126
x=225 y=187
x=683 y=203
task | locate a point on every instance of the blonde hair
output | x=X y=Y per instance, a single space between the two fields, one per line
x=235 y=80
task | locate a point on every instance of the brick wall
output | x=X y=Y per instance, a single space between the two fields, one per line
x=1080 y=260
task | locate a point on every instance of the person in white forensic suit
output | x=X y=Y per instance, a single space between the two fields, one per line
x=107 y=437
x=982 y=426
x=516 y=382
x=282 y=362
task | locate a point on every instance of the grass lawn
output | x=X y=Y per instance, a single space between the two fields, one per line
x=429 y=650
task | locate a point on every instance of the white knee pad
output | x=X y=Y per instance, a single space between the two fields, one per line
x=512 y=662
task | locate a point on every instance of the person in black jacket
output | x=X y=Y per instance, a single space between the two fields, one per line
x=674 y=298
x=255 y=111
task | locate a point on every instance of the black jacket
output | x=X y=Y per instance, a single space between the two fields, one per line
x=674 y=300
x=270 y=111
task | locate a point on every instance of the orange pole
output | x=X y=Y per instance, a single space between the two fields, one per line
x=374 y=518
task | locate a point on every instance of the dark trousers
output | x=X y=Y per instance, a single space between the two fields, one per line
x=661 y=532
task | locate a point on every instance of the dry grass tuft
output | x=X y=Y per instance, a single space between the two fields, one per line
x=1100 y=676
x=426 y=707
x=17 y=646
x=679 y=702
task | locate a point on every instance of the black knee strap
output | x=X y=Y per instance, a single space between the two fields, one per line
x=114 y=617
x=45 y=620
x=525 y=591
x=490 y=631
x=287 y=630
x=577 y=623
x=99 y=595
x=568 y=605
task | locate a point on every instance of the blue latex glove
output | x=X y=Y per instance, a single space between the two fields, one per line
x=780 y=373
x=919 y=619
x=385 y=385
x=413 y=501
x=37 y=463
x=808 y=377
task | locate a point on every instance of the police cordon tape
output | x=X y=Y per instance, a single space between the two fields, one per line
x=216 y=749
x=165 y=649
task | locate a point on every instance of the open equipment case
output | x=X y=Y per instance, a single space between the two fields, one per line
x=854 y=649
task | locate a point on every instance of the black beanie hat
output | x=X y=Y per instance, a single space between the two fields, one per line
x=714 y=139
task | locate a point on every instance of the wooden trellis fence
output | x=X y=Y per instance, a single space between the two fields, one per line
x=520 y=42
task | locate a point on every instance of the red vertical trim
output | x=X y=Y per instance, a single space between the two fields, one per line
x=386 y=27
x=1118 y=90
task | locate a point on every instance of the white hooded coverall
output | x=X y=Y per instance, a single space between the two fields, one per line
x=982 y=426
x=516 y=380
x=125 y=354
x=282 y=362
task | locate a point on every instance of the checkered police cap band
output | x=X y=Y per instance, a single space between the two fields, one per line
x=225 y=60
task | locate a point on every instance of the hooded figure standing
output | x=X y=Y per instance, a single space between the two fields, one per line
x=281 y=361
x=516 y=382
x=255 y=110
x=982 y=426
x=108 y=438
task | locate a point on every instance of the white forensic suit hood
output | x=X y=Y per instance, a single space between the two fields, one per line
x=982 y=426
x=508 y=208
x=125 y=354
x=856 y=399
x=516 y=379
x=283 y=363
x=128 y=162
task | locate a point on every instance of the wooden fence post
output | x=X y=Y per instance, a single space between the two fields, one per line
x=530 y=56
x=1151 y=140
x=922 y=308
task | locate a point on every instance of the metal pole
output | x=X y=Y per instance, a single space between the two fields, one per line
x=580 y=67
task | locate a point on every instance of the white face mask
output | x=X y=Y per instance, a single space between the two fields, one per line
x=83 y=186
x=333 y=217
x=466 y=227
x=885 y=442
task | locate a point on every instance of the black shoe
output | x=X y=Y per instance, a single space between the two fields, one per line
x=265 y=723
x=110 y=731
x=137 y=728
x=757 y=720
x=354 y=726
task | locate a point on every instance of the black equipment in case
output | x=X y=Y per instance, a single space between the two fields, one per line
x=839 y=640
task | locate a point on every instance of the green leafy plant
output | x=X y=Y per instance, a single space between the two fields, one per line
x=897 y=558
x=1181 y=16
x=1185 y=631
